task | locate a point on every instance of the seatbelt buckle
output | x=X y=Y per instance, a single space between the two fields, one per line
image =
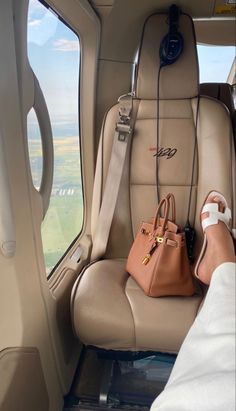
x=125 y=114
x=123 y=130
x=125 y=107
x=123 y=126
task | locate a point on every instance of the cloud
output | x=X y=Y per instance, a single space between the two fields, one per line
x=35 y=5
x=35 y=22
x=36 y=9
x=66 y=45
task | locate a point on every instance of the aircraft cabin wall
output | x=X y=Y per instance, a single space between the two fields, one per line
x=38 y=350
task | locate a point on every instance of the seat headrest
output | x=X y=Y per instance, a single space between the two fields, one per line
x=177 y=81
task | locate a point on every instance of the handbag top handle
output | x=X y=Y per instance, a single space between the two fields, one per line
x=164 y=202
x=168 y=202
x=171 y=198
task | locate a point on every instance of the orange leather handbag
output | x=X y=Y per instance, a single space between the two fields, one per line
x=158 y=258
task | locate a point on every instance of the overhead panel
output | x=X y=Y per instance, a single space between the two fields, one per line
x=216 y=31
x=225 y=8
x=122 y=22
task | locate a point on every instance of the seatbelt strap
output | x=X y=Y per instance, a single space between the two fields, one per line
x=123 y=133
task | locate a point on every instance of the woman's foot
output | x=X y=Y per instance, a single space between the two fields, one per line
x=220 y=247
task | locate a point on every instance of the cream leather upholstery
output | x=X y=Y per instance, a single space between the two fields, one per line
x=223 y=92
x=124 y=318
x=220 y=91
x=109 y=310
x=173 y=84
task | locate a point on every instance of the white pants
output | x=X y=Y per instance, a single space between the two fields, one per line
x=203 y=377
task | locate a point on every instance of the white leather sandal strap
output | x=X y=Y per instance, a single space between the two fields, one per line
x=215 y=215
x=207 y=222
x=210 y=207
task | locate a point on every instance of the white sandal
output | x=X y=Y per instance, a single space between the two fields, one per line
x=214 y=217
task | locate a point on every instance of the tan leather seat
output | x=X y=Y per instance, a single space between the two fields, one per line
x=109 y=310
x=220 y=91
x=223 y=92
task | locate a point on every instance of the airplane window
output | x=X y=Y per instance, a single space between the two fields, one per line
x=54 y=55
x=215 y=62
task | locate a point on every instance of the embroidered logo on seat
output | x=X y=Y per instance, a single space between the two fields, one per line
x=164 y=152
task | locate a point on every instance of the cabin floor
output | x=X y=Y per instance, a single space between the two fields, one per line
x=101 y=382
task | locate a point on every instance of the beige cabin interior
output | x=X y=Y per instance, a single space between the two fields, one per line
x=47 y=323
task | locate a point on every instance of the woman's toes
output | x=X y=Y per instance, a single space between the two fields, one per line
x=220 y=203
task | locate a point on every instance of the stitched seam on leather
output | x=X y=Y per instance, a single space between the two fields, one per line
x=128 y=299
x=163 y=185
x=164 y=118
x=170 y=99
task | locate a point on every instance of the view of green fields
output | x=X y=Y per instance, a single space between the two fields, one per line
x=64 y=217
x=54 y=55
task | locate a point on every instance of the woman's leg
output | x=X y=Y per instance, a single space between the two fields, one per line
x=203 y=377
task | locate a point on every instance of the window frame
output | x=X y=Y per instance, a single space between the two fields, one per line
x=48 y=6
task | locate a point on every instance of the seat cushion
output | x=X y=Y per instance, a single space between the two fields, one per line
x=110 y=311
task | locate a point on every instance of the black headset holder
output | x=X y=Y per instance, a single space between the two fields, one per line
x=172 y=45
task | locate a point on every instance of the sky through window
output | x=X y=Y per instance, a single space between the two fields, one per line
x=52 y=45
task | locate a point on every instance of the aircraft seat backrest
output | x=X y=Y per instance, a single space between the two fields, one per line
x=223 y=92
x=220 y=91
x=177 y=107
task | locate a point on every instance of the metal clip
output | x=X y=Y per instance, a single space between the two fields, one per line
x=124 y=119
x=146 y=259
x=124 y=130
x=144 y=231
x=131 y=94
x=159 y=239
x=125 y=107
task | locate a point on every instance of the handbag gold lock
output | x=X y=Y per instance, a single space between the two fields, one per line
x=146 y=259
x=158 y=240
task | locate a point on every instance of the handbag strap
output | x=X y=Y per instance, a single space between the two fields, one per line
x=171 y=198
x=166 y=204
